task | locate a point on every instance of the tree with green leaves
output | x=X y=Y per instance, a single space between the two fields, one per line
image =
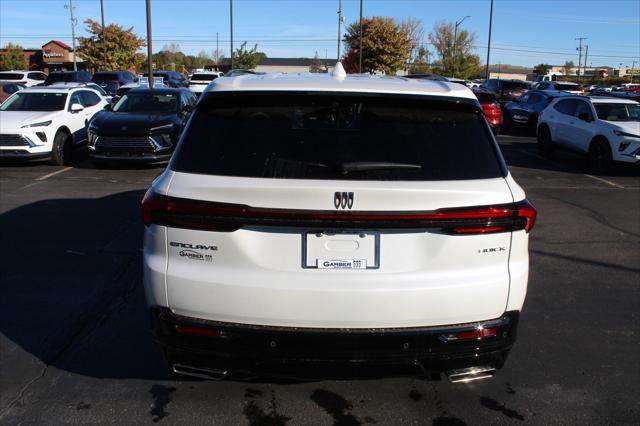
x=568 y=67
x=541 y=69
x=456 y=55
x=247 y=59
x=386 y=45
x=12 y=58
x=122 y=47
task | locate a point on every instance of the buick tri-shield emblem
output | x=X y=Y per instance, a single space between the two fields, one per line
x=343 y=200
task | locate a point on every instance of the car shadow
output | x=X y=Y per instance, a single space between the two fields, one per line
x=72 y=288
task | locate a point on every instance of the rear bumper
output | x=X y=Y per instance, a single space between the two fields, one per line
x=316 y=353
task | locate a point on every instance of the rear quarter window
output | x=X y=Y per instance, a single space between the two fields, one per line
x=337 y=137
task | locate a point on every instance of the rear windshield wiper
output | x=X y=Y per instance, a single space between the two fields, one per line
x=360 y=166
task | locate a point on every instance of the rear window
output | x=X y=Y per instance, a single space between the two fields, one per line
x=511 y=85
x=565 y=86
x=60 y=76
x=485 y=97
x=337 y=137
x=11 y=76
x=204 y=77
x=105 y=76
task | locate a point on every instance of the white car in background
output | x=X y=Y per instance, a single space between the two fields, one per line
x=564 y=86
x=47 y=122
x=200 y=80
x=606 y=129
x=331 y=220
x=26 y=78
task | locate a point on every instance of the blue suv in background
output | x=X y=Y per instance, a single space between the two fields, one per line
x=523 y=111
x=170 y=78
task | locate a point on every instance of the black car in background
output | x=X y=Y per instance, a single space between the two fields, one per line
x=505 y=90
x=68 y=77
x=110 y=81
x=523 y=111
x=616 y=94
x=170 y=78
x=144 y=125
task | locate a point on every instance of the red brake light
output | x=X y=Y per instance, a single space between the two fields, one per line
x=477 y=334
x=197 y=331
x=194 y=214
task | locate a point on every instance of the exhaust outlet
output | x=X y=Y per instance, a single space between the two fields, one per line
x=202 y=373
x=466 y=375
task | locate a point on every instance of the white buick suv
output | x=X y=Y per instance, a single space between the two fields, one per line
x=47 y=122
x=328 y=225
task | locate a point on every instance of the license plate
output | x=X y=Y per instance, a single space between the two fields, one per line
x=325 y=250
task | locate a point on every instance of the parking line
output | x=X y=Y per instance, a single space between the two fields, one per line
x=608 y=182
x=57 y=172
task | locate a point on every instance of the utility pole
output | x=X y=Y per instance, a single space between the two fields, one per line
x=486 y=72
x=217 y=50
x=149 y=46
x=633 y=68
x=70 y=6
x=455 y=45
x=586 y=55
x=231 y=26
x=360 y=66
x=579 y=54
x=339 y=26
x=104 y=42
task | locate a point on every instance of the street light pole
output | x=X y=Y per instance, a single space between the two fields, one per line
x=149 y=46
x=104 y=42
x=231 y=27
x=486 y=73
x=70 y=6
x=455 y=43
x=360 y=64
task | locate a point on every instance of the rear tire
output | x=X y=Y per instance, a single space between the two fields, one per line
x=61 y=150
x=545 y=143
x=600 y=159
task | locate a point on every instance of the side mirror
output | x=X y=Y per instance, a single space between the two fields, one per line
x=188 y=109
x=76 y=108
x=585 y=116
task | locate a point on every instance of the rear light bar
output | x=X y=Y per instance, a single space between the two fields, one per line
x=222 y=217
x=477 y=334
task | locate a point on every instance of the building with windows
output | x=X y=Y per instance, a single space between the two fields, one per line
x=52 y=56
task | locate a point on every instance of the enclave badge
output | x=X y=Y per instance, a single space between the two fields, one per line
x=342 y=200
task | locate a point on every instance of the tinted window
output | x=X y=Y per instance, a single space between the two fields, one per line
x=511 y=85
x=566 y=107
x=37 y=76
x=524 y=98
x=204 y=77
x=543 y=86
x=60 y=76
x=75 y=99
x=89 y=98
x=11 y=76
x=618 y=112
x=106 y=76
x=566 y=86
x=35 y=102
x=337 y=136
x=485 y=97
x=148 y=102
x=581 y=108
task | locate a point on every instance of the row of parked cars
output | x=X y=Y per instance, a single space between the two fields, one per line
x=50 y=116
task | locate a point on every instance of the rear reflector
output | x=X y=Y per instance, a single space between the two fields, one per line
x=206 y=215
x=477 y=334
x=197 y=331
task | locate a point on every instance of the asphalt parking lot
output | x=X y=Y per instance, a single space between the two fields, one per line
x=76 y=348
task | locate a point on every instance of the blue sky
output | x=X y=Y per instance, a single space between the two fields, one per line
x=525 y=32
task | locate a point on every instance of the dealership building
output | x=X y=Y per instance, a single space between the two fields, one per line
x=53 y=56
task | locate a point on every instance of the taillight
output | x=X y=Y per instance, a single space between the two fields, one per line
x=197 y=331
x=206 y=215
x=477 y=334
